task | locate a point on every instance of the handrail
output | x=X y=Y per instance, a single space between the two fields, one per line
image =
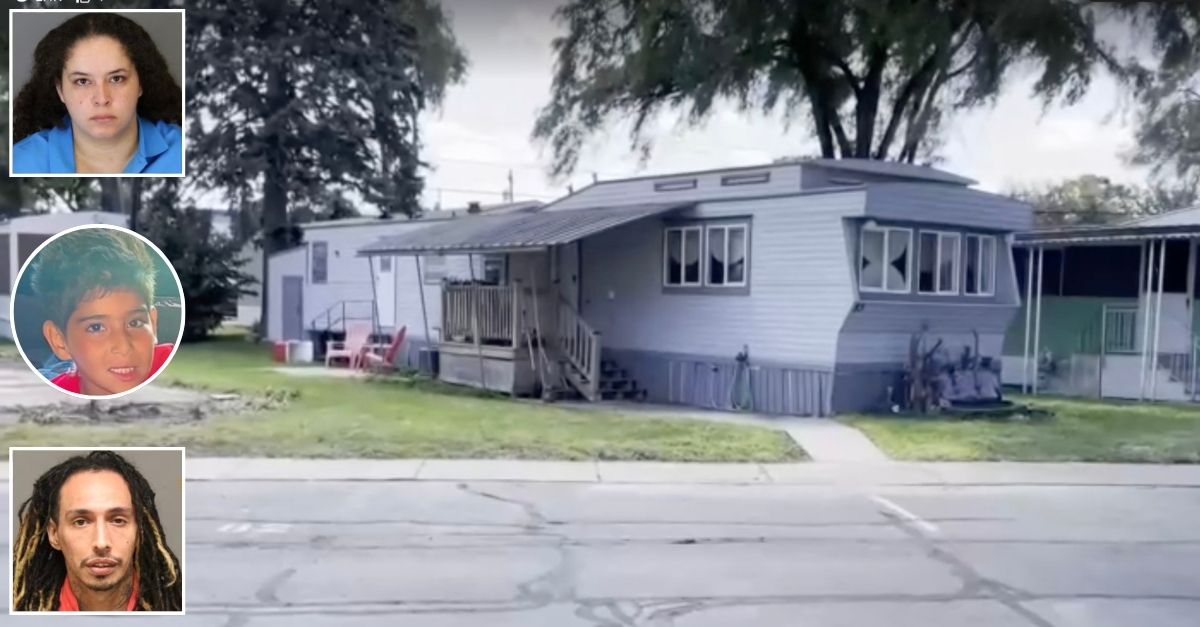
x=330 y=321
x=580 y=343
x=492 y=307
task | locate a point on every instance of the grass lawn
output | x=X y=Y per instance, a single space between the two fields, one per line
x=394 y=418
x=1080 y=430
x=8 y=350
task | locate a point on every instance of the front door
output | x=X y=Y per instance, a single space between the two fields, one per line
x=293 y=307
x=568 y=273
x=385 y=290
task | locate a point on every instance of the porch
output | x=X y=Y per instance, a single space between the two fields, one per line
x=1108 y=313
x=518 y=339
x=520 y=331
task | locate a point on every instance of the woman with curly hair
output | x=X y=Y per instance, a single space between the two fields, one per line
x=100 y=101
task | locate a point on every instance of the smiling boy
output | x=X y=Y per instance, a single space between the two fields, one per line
x=96 y=287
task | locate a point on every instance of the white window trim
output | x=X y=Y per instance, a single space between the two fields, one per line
x=908 y=262
x=937 y=263
x=745 y=254
x=666 y=273
x=979 y=265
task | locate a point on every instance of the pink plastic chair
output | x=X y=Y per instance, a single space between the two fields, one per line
x=351 y=349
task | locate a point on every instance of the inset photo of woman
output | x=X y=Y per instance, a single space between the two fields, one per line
x=96 y=93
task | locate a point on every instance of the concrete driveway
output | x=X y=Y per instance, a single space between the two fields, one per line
x=20 y=387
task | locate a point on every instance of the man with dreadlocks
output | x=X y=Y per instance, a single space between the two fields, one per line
x=90 y=540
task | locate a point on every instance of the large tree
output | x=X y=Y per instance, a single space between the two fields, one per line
x=208 y=263
x=877 y=78
x=1168 y=130
x=289 y=98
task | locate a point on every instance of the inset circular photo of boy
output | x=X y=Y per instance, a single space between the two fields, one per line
x=97 y=311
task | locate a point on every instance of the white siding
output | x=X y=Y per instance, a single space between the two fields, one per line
x=800 y=288
x=349 y=277
x=287 y=263
x=881 y=332
x=784 y=179
x=408 y=295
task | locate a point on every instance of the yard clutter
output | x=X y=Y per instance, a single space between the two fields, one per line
x=937 y=379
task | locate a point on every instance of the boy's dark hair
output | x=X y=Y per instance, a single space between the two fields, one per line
x=37 y=106
x=76 y=265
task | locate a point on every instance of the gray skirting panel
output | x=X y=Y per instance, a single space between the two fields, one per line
x=706 y=382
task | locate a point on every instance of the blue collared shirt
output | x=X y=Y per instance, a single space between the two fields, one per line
x=52 y=151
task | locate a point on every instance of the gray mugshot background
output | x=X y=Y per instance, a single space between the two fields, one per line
x=28 y=29
x=163 y=469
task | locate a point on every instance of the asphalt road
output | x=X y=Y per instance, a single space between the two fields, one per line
x=432 y=554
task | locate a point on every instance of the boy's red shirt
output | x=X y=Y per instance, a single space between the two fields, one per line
x=69 y=381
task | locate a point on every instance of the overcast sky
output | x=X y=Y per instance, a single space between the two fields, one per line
x=484 y=127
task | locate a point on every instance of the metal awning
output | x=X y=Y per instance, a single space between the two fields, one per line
x=1106 y=234
x=512 y=232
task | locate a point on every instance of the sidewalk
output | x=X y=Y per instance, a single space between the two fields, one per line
x=809 y=474
x=824 y=439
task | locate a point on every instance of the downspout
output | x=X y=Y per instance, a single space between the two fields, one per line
x=424 y=313
x=374 y=302
x=1162 y=263
x=474 y=301
x=1029 y=253
x=1037 y=319
x=1149 y=260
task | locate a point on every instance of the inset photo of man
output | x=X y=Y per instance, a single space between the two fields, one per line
x=97 y=530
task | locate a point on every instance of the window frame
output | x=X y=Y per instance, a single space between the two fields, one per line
x=707 y=271
x=937 y=265
x=442 y=268
x=979 y=265
x=885 y=230
x=666 y=256
x=312 y=276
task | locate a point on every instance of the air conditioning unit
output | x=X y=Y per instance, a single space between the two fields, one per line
x=427 y=361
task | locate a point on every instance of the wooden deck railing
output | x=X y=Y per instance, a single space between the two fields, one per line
x=580 y=344
x=493 y=308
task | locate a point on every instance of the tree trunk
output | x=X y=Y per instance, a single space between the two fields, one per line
x=135 y=203
x=274 y=209
x=110 y=195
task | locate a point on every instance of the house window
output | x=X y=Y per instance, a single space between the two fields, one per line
x=433 y=269
x=726 y=247
x=938 y=270
x=750 y=178
x=981 y=265
x=675 y=186
x=493 y=269
x=681 y=256
x=320 y=262
x=884 y=259
x=385 y=264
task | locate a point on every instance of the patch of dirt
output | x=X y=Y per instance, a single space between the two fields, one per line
x=117 y=412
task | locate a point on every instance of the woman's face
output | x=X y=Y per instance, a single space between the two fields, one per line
x=100 y=88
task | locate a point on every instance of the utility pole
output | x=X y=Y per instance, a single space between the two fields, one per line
x=510 y=186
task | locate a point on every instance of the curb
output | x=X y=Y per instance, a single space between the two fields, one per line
x=805 y=474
